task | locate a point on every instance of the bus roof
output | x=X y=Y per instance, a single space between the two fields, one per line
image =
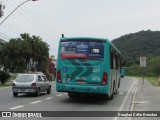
x=89 y=38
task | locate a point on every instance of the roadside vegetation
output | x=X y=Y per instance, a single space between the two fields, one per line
x=6 y=85
x=153 y=80
x=141 y=44
x=19 y=55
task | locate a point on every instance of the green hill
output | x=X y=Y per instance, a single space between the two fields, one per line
x=134 y=45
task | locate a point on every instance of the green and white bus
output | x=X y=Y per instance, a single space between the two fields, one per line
x=88 y=66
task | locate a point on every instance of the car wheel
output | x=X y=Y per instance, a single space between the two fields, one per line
x=49 y=90
x=38 y=92
x=15 y=94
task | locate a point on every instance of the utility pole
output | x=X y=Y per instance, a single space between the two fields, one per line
x=142 y=65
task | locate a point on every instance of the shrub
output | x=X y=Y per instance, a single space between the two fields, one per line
x=4 y=77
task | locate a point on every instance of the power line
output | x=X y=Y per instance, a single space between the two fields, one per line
x=29 y=19
x=36 y=23
x=3 y=37
x=6 y=36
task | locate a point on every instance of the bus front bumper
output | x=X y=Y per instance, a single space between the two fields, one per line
x=82 y=88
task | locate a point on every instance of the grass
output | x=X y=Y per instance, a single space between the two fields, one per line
x=6 y=85
x=153 y=80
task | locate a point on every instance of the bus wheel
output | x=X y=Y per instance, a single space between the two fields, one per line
x=115 y=89
x=119 y=83
x=110 y=97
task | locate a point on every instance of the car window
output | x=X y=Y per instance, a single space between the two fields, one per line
x=24 y=78
x=43 y=79
x=39 y=78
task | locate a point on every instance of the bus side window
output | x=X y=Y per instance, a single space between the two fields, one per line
x=111 y=57
x=117 y=62
x=114 y=60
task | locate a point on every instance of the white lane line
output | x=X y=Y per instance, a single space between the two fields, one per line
x=16 y=107
x=122 y=105
x=133 y=100
x=60 y=94
x=36 y=102
x=49 y=98
x=5 y=87
x=140 y=102
x=134 y=96
x=124 y=101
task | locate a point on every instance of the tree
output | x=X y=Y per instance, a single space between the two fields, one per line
x=4 y=77
x=25 y=53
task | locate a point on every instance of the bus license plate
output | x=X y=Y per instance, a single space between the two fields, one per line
x=81 y=82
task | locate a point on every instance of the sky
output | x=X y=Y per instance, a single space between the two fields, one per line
x=78 y=18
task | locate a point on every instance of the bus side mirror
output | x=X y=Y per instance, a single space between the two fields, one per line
x=123 y=72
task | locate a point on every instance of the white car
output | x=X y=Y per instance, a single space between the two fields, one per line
x=31 y=83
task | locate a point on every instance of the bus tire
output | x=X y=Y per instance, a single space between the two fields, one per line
x=119 y=83
x=110 y=97
x=115 y=89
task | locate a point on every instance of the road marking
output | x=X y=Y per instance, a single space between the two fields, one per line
x=121 y=93
x=60 y=94
x=132 y=104
x=124 y=101
x=16 y=107
x=36 y=102
x=140 y=102
x=134 y=96
x=49 y=98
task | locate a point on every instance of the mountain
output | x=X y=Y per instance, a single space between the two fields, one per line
x=142 y=43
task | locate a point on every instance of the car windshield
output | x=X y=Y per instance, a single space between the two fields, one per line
x=25 y=78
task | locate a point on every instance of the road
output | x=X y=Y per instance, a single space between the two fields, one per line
x=61 y=102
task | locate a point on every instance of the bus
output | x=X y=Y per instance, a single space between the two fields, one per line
x=88 y=66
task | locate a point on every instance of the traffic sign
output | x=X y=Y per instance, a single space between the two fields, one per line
x=142 y=61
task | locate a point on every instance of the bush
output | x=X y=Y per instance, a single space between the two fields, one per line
x=4 y=77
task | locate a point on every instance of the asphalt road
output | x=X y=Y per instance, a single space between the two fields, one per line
x=61 y=102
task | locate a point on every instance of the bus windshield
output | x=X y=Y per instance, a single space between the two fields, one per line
x=82 y=49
